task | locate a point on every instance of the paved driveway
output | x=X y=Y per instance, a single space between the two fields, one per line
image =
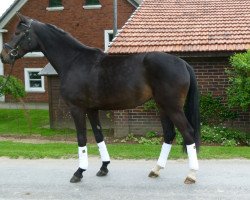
x=49 y=179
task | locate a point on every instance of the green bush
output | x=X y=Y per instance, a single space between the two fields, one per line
x=238 y=91
x=229 y=143
x=213 y=111
x=150 y=105
x=178 y=138
x=151 y=134
x=13 y=87
x=155 y=140
x=223 y=136
x=210 y=135
x=151 y=138
x=219 y=136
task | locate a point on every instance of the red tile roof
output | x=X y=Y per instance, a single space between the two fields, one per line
x=186 y=26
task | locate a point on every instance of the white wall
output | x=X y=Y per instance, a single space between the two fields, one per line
x=1 y=64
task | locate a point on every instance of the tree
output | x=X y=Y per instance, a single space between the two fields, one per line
x=238 y=91
x=13 y=87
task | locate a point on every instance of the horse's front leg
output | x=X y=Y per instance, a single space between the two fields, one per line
x=93 y=116
x=79 y=118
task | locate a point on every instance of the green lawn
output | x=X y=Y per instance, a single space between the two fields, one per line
x=27 y=122
x=118 y=151
x=36 y=122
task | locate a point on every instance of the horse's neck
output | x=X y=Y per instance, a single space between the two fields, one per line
x=62 y=51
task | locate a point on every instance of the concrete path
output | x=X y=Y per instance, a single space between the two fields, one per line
x=16 y=105
x=49 y=179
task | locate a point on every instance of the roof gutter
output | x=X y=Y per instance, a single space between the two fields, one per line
x=10 y=12
x=3 y=31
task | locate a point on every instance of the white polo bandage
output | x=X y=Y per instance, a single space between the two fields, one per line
x=165 y=149
x=192 y=157
x=83 y=157
x=103 y=151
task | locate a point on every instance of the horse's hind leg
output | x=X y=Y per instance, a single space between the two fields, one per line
x=93 y=116
x=169 y=135
x=180 y=121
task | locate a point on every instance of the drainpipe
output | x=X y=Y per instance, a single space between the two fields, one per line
x=115 y=18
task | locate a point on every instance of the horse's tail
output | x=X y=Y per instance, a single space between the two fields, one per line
x=192 y=111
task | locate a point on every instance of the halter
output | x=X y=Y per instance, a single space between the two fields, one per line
x=14 y=50
x=26 y=34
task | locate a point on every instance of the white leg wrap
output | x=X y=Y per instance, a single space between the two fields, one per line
x=192 y=174
x=192 y=156
x=165 y=149
x=83 y=157
x=103 y=151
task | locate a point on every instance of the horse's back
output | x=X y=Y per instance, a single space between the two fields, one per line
x=121 y=82
x=163 y=66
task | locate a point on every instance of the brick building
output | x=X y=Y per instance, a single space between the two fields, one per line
x=204 y=33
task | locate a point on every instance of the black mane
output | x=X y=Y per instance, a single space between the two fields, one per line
x=55 y=28
x=69 y=38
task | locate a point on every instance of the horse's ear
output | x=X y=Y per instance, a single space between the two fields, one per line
x=21 y=17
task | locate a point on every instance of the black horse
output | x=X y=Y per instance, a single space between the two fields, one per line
x=92 y=80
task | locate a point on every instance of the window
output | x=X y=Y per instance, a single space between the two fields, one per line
x=55 y=5
x=33 y=81
x=108 y=37
x=92 y=4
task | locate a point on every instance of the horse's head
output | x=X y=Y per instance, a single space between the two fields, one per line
x=21 y=42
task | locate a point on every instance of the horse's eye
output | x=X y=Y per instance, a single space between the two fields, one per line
x=17 y=33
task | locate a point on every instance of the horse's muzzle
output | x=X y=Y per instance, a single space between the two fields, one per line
x=6 y=58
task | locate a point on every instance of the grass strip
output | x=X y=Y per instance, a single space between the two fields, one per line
x=28 y=122
x=117 y=151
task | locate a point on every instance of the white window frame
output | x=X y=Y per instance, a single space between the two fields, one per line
x=58 y=8
x=106 y=39
x=34 y=55
x=91 y=7
x=27 y=80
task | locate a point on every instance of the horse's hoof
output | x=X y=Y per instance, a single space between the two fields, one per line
x=75 y=179
x=153 y=174
x=102 y=172
x=189 y=180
